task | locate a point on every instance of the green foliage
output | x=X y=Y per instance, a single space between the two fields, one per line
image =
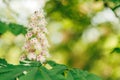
x=114 y=1
x=3 y=27
x=33 y=70
x=16 y=29
x=117 y=50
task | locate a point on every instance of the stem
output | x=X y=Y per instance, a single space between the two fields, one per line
x=113 y=9
x=116 y=7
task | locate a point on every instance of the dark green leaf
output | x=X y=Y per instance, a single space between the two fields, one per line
x=3 y=27
x=33 y=70
x=16 y=29
x=117 y=50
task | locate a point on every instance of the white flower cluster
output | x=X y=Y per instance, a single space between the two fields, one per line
x=36 y=44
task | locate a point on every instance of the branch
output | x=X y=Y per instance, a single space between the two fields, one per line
x=116 y=7
x=113 y=9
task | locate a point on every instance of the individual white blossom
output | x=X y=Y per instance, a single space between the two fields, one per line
x=44 y=43
x=46 y=53
x=36 y=30
x=41 y=35
x=22 y=57
x=31 y=56
x=38 y=47
x=34 y=17
x=40 y=13
x=41 y=58
x=26 y=46
x=36 y=44
x=33 y=40
x=29 y=35
x=42 y=22
x=31 y=25
x=44 y=30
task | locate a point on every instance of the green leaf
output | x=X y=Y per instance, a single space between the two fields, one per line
x=77 y=75
x=117 y=50
x=12 y=72
x=63 y=73
x=69 y=76
x=57 y=68
x=30 y=75
x=16 y=29
x=44 y=74
x=92 y=77
x=33 y=70
x=3 y=27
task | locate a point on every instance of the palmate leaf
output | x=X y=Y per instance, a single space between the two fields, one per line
x=35 y=71
x=62 y=72
x=12 y=72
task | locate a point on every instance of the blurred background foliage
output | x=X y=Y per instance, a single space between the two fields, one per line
x=83 y=34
